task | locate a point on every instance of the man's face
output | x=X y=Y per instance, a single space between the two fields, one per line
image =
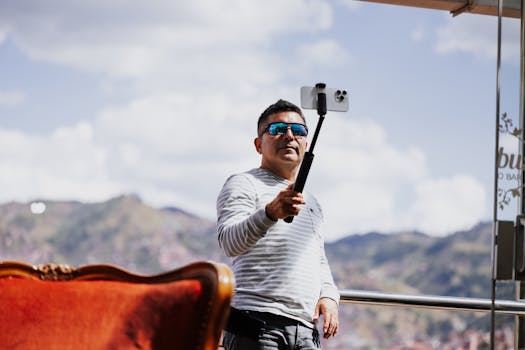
x=284 y=150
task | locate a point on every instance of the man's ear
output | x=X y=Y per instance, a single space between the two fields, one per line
x=257 y=144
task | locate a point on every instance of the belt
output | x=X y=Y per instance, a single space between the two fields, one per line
x=275 y=320
x=251 y=323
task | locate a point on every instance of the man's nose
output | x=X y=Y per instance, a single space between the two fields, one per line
x=289 y=134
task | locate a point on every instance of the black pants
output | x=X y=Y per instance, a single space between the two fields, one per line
x=251 y=330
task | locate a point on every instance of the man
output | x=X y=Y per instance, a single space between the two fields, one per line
x=283 y=281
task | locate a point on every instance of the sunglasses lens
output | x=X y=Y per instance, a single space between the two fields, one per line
x=299 y=130
x=281 y=128
x=277 y=128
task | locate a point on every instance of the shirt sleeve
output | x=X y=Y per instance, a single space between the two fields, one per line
x=240 y=224
x=328 y=287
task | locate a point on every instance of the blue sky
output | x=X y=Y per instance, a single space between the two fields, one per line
x=161 y=98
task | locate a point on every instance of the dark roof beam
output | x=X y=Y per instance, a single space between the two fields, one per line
x=511 y=8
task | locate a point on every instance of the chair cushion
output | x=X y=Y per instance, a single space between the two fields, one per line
x=97 y=314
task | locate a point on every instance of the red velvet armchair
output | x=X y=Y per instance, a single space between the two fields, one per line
x=104 y=307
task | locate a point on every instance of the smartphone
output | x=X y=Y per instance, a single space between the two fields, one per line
x=336 y=99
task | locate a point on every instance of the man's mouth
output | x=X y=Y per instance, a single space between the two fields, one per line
x=290 y=147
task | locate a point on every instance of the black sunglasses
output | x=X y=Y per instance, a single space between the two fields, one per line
x=280 y=128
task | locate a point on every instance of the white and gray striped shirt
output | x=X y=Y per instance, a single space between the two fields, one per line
x=279 y=267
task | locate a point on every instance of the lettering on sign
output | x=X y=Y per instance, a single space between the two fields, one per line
x=510 y=165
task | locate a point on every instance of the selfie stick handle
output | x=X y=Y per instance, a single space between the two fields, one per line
x=309 y=155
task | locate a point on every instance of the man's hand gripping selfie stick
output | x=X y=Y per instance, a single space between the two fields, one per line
x=309 y=155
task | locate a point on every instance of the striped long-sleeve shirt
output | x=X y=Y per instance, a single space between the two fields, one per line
x=279 y=267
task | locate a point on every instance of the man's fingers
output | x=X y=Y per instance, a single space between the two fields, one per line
x=293 y=202
x=330 y=325
x=287 y=203
x=330 y=331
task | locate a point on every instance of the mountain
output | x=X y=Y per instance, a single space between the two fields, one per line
x=122 y=231
x=412 y=262
x=127 y=232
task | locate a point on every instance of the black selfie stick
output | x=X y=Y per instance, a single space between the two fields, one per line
x=309 y=155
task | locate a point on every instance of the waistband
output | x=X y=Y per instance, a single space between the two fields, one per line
x=273 y=319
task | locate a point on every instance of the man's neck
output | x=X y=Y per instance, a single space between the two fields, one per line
x=285 y=173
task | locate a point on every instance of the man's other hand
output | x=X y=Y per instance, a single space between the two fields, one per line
x=329 y=309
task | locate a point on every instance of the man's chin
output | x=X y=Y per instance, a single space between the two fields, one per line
x=291 y=158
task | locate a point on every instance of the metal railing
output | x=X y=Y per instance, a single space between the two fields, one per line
x=508 y=307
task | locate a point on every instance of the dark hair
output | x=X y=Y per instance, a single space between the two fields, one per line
x=277 y=107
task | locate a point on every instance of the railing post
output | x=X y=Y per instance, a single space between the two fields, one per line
x=519 y=329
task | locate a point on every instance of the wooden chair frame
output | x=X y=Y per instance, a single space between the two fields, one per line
x=217 y=280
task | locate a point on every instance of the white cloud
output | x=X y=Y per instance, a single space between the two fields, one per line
x=11 y=98
x=446 y=205
x=200 y=73
x=326 y=52
x=63 y=165
x=418 y=34
x=149 y=147
x=183 y=41
x=365 y=183
x=172 y=150
x=477 y=35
